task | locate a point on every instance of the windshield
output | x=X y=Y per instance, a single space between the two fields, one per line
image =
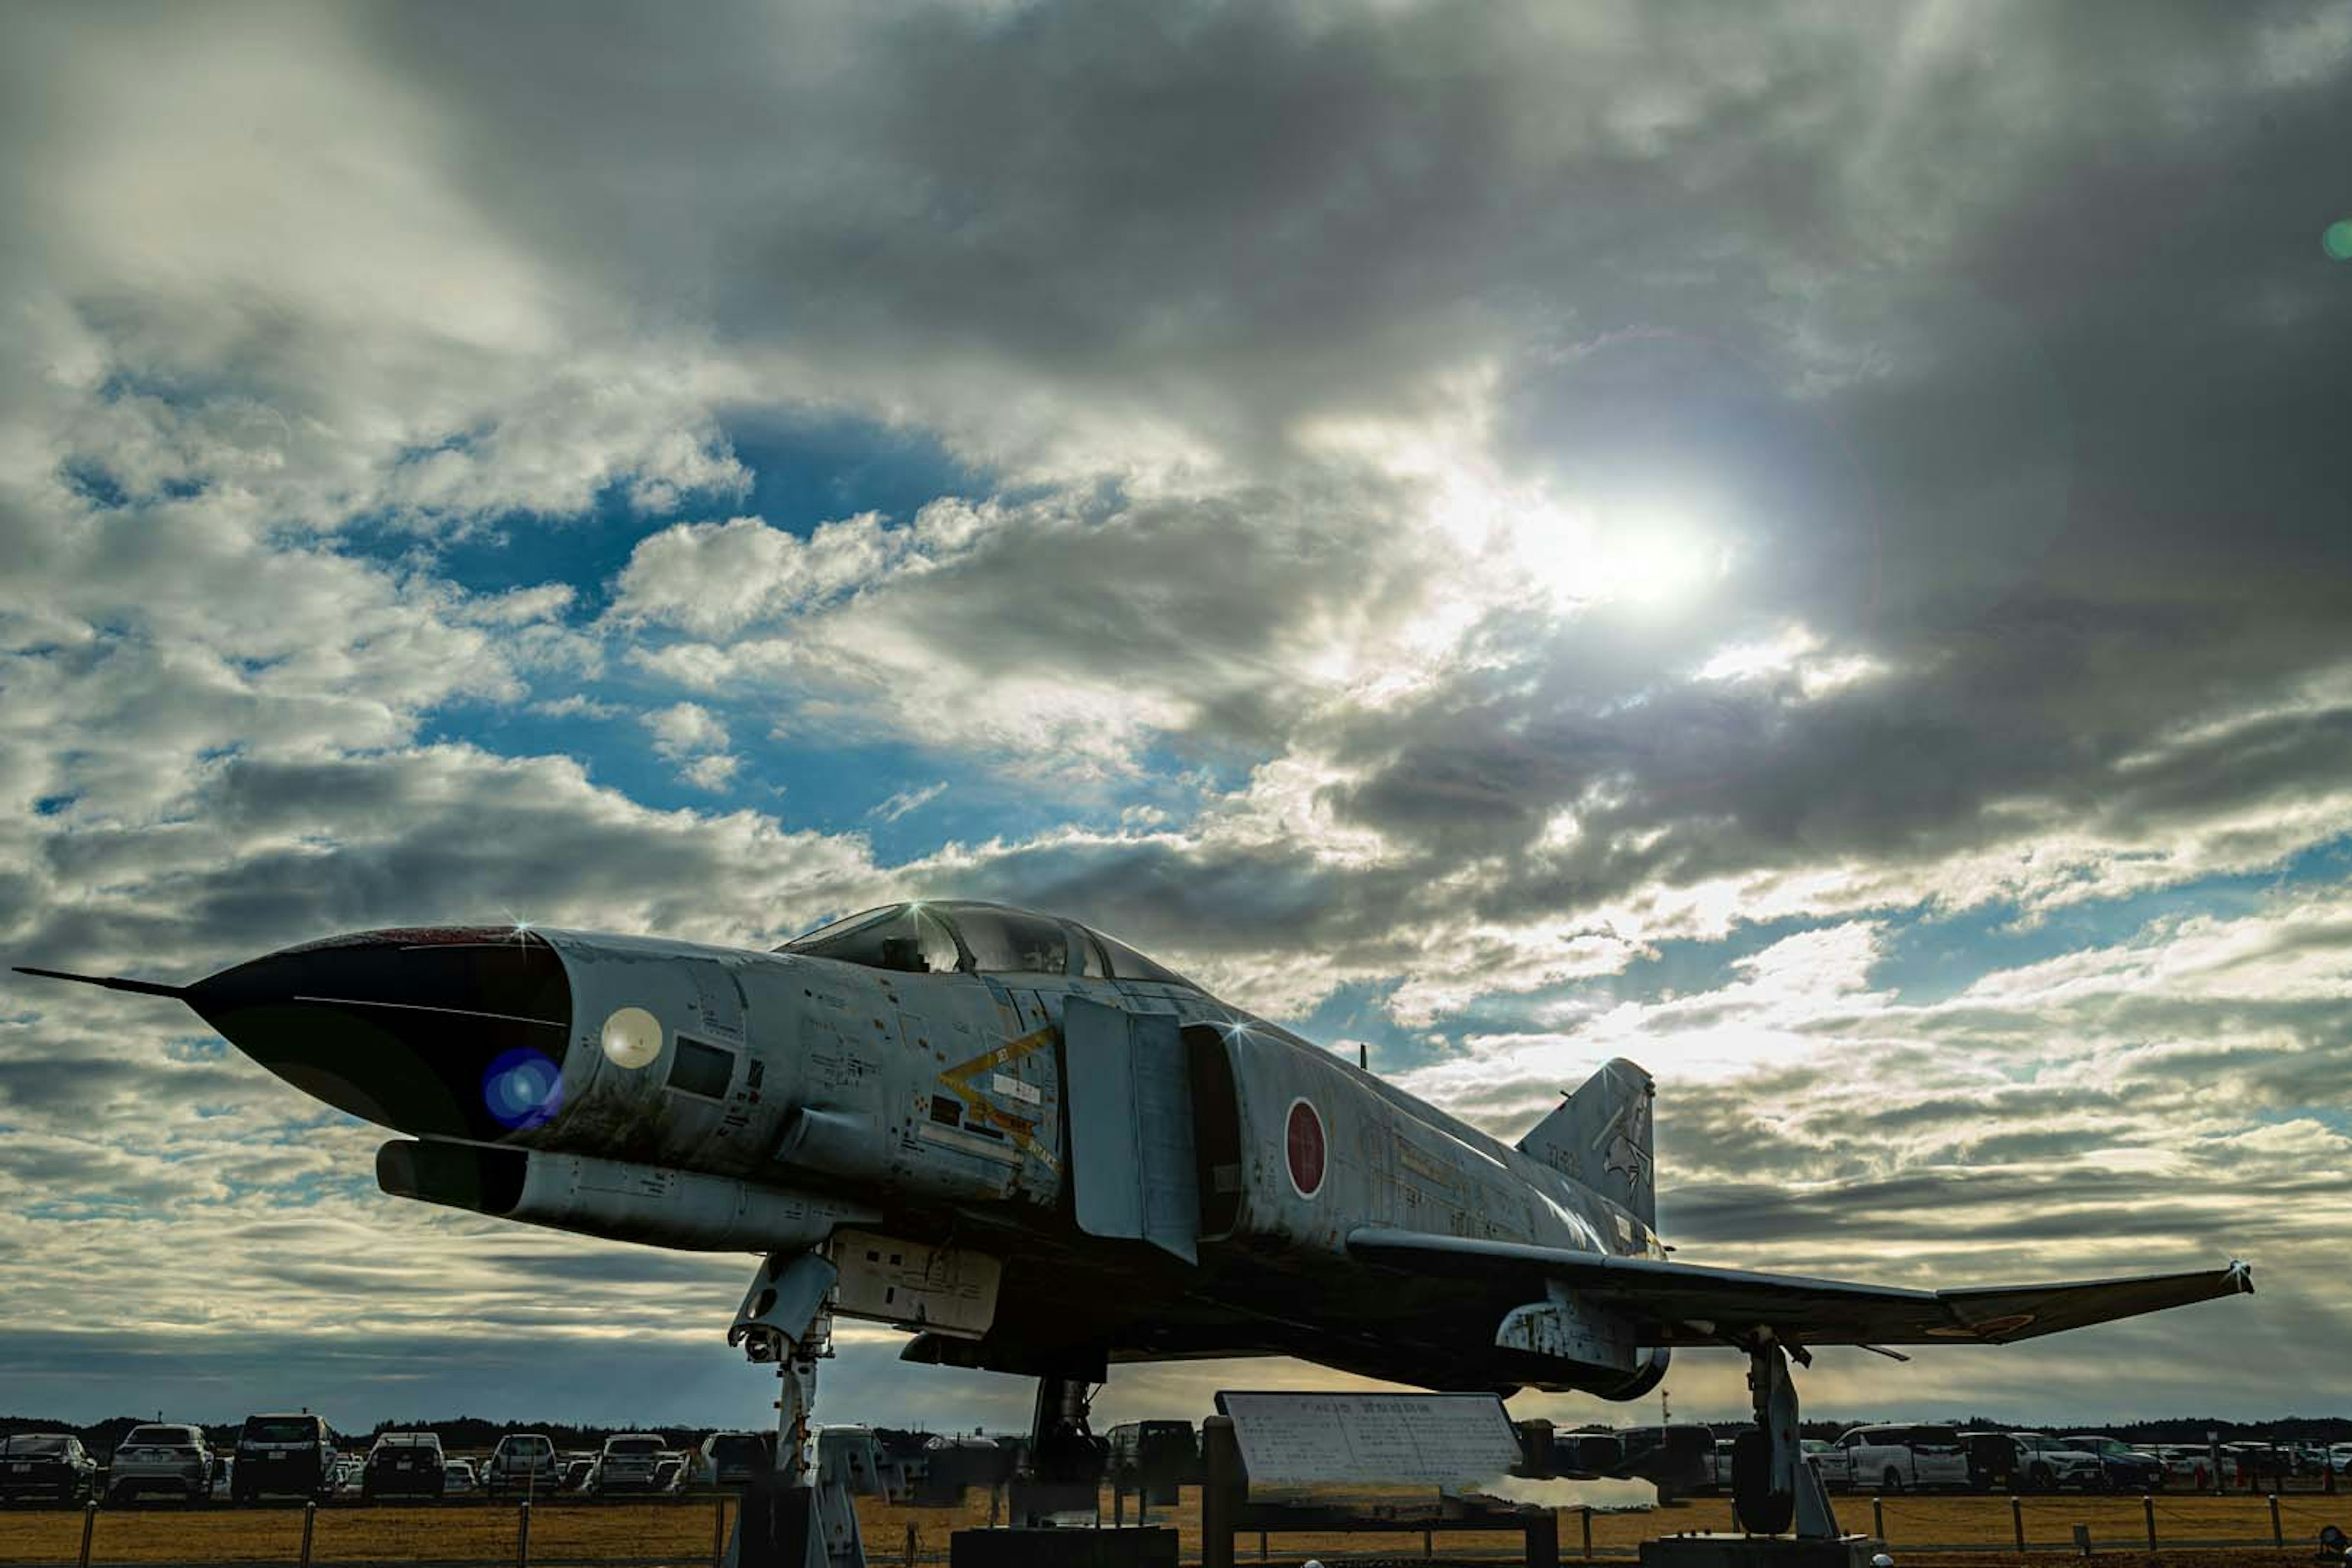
x=36 y=1443
x=281 y=1429
x=904 y=937
x=634 y=1445
x=1010 y=941
x=148 y=1435
x=733 y=1450
x=529 y=1447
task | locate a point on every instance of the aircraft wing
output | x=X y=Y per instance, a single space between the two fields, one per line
x=1688 y=1304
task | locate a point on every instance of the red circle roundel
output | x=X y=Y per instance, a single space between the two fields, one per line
x=1303 y=1142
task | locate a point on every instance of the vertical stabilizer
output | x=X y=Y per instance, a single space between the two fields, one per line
x=1601 y=1136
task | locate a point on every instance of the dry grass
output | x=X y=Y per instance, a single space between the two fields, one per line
x=681 y=1532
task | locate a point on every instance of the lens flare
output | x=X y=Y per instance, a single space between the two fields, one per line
x=2337 y=240
x=522 y=1088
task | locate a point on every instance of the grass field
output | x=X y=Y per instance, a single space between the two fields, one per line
x=683 y=1532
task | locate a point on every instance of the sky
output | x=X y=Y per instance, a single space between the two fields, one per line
x=1805 y=546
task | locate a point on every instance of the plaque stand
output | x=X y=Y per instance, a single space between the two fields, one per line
x=1226 y=1510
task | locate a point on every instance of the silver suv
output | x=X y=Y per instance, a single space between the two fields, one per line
x=626 y=1465
x=522 y=1462
x=160 y=1459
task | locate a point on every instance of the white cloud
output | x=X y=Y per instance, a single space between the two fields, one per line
x=908 y=800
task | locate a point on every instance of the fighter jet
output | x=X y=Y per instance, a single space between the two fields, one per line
x=1045 y=1154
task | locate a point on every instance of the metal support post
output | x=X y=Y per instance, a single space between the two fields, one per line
x=89 y=1528
x=1587 y=1516
x=2148 y=1507
x=1878 y=1518
x=310 y=1526
x=2278 y=1535
x=522 y=1533
x=2017 y=1518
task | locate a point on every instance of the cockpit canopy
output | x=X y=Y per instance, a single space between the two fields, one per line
x=977 y=939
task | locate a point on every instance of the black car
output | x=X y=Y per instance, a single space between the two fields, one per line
x=283 y=1454
x=2127 y=1468
x=405 y=1464
x=46 y=1466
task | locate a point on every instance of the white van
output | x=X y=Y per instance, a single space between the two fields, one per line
x=1903 y=1459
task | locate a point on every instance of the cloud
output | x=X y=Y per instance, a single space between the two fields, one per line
x=908 y=800
x=1542 y=532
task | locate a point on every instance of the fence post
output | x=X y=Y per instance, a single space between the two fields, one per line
x=1878 y=1518
x=1543 y=1540
x=309 y=1523
x=1220 y=1489
x=2083 y=1539
x=522 y=1533
x=718 y=1533
x=1587 y=1516
x=2147 y=1505
x=912 y=1543
x=89 y=1527
x=2017 y=1518
x=2278 y=1536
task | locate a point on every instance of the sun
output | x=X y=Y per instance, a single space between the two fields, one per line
x=1651 y=554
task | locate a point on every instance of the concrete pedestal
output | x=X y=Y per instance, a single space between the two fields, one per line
x=1761 y=1552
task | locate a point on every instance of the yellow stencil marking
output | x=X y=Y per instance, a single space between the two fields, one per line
x=1021 y=1131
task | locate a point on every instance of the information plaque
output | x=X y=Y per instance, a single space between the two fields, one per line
x=1333 y=1440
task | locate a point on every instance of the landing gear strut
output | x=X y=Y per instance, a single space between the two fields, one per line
x=1772 y=1484
x=794 y=1516
x=1067 y=1461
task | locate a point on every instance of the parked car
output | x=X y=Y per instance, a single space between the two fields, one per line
x=522 y=1462
x=161 y=1459
x=1903 y=1458
x=2127 y=1468
x=2265 y=1462
x=670 y=1471
x=578 y=1472
x=729 y=1458
x=349 y=1473
x=283 y=1454
x=458 y=1479
x=626 y=1464
x=405 y=1464
x=47 y=1466
x=2044 y=1464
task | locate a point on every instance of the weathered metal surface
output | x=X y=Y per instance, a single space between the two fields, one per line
x=942 y=1289
x=1132 y=1154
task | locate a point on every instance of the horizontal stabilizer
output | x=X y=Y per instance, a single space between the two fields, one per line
x=1688 y=1304
x=111 y=982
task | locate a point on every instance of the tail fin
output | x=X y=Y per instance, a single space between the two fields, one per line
x=1601 y=1136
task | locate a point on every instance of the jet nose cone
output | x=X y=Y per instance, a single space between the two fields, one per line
x=442 y=1031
